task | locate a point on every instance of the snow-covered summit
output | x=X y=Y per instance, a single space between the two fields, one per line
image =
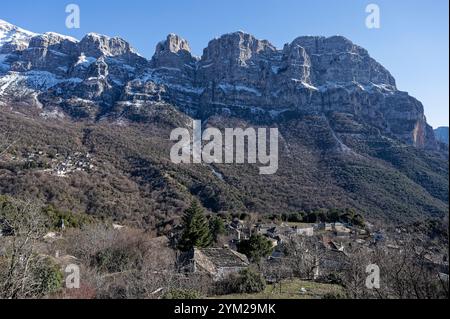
x=237 y=72
x=10 y=33
x=62 y=36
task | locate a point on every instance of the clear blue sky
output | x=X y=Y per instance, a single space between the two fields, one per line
x=412 y=41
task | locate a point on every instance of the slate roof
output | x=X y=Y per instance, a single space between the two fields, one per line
x=225 y=257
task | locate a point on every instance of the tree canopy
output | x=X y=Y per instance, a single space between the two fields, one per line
x=196 y=231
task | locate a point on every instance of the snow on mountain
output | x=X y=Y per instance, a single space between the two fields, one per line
x=3 y=65
x=85 y=61
x=236 y=71
x=61 y=36
x=10 y=33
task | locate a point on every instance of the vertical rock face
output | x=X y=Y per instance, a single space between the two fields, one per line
x=338 y=60
x=237 y=74
x=442 y=134
x=235 y=58
x=174 y=44
x=97 y=45
x=296 y=64
x=49 y=52
x=172 y=53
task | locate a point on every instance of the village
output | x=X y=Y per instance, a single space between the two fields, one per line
x=53 y=163
x=333 y=238
x=307 y=258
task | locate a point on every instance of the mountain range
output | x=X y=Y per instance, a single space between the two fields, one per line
x=441 y=134
x=349 y=138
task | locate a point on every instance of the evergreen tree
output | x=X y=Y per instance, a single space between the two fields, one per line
x=217 y=227
x=196 y=231
x=256 y=247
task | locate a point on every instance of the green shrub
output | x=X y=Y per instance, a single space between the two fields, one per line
x=71 y=220
x=116 y=259
x=246 y=282
x=182 y=294
x=295 y=218
x=48 y=277
x=333 y=295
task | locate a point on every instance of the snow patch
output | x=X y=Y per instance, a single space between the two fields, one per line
x=31 y=81
x=276 y=113
x=186 y=89
x=55 y=114
x=275 y=69
x=226 y=88
x=84 y=61
x=12 y=33
x=305 y=84
x=3 y=66
x=62 y=36
x=216 y=173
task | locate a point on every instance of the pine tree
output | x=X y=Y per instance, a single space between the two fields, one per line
x=196 y=229
x=217 y=227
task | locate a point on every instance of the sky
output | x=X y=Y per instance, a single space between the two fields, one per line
x=412 y=41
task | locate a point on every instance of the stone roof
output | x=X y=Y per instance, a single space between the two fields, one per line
x=224 y=257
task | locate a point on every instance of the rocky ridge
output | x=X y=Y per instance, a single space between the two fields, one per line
x=237 y=75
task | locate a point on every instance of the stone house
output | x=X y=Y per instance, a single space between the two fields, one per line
x=326 y=226
x=305 y=230
x=339 y=227
x=267 y=229
x=219 y=263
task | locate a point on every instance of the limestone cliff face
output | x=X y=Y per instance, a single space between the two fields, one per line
x=237 y=74
x=442 y=134
x=309 y=75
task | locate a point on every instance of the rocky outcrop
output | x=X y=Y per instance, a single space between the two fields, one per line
x=442 y=134
x=48 y=52
x=13 y=38
x=174 y=52
x=338 y=60
x=237 y=74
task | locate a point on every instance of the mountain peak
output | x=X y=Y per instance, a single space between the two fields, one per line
x=49 y=39
x=61 y=36
x=97 y=45
x=442 y=134
x=174 y=52
x=173 y=44
x=13 y=37
x=311 y=74
x=243 y=38
x=238 y=47
x=5 y=24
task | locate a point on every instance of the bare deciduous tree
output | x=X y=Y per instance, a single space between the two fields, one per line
x=6 y=142
x=408 y=274
x=26 y=225
x=305 y=255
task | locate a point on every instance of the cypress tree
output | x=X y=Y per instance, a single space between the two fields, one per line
x=196 y=231
x=217 y=227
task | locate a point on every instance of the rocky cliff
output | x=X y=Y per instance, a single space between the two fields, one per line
x=237 y=74
x=349 y=139
x=442 y=134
